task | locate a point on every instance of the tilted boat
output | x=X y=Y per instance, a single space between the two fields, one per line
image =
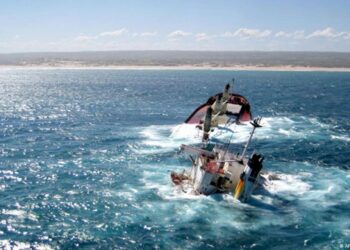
x=225 y=106
x=215 y=169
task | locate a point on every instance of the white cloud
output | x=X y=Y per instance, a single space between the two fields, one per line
x=144 y=34
x=177 y=34
x=113 y=33
x=328 y=33
x=227 y=34
x=83 y=38
x=327 y=39
x=281 y=34
x=245 y=33
x=299 y=34
x=149 y=33
x=202 y=37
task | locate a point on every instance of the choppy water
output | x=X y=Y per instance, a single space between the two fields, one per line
x=85 y=157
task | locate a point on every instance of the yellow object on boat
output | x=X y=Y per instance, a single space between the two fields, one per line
x=239 y=189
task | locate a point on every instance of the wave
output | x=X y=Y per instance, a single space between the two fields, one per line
x=341 y=138
x=20 y=214
x=163 y=138
x=9 y=244
x=286 y=184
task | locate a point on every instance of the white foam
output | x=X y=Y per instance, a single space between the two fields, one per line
x=285 y=183
x=340 y=137
x=161 y=138
x=185 y=131
x=72 y=192
x=161 y=182
x=57 y=197
x=6 y=172
x=298 y=127
x=329 y=188
x=188 y=133
x=21 y=214
x=14 y=245
x=291 y=133
x=18 y=213
x=316 y=122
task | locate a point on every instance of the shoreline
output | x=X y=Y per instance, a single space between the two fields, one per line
x=281 y=68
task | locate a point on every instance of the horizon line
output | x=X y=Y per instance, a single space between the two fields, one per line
x=170 y=50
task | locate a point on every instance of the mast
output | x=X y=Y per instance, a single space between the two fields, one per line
x=256 y=124
x=207 y=126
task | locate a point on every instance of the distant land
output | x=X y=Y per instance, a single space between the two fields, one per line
x=248 y=60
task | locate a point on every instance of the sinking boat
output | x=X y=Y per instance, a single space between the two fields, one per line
x=225 y=107
x=215 y=169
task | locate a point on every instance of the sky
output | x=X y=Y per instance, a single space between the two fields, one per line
x=219 y=25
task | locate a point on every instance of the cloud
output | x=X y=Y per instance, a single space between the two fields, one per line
x=328 y=33
x=281 y=34
x=113 y=33
x=83 y=38
x=149 y=33
x=177 y=34
x=202 y=37
x=144 y=34
x=299 y=34
x=227 y=34
x=188 y=39
x=245 y=33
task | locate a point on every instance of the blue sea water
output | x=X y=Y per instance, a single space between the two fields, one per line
x=85 y=157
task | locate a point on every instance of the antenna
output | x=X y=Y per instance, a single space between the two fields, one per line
x=233 y=82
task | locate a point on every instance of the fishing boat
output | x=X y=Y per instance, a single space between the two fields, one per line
x=225 y=107
x=215 y=169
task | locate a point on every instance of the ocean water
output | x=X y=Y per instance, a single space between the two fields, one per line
x=85 y=158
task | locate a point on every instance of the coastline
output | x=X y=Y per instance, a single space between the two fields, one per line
x=281 y=68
